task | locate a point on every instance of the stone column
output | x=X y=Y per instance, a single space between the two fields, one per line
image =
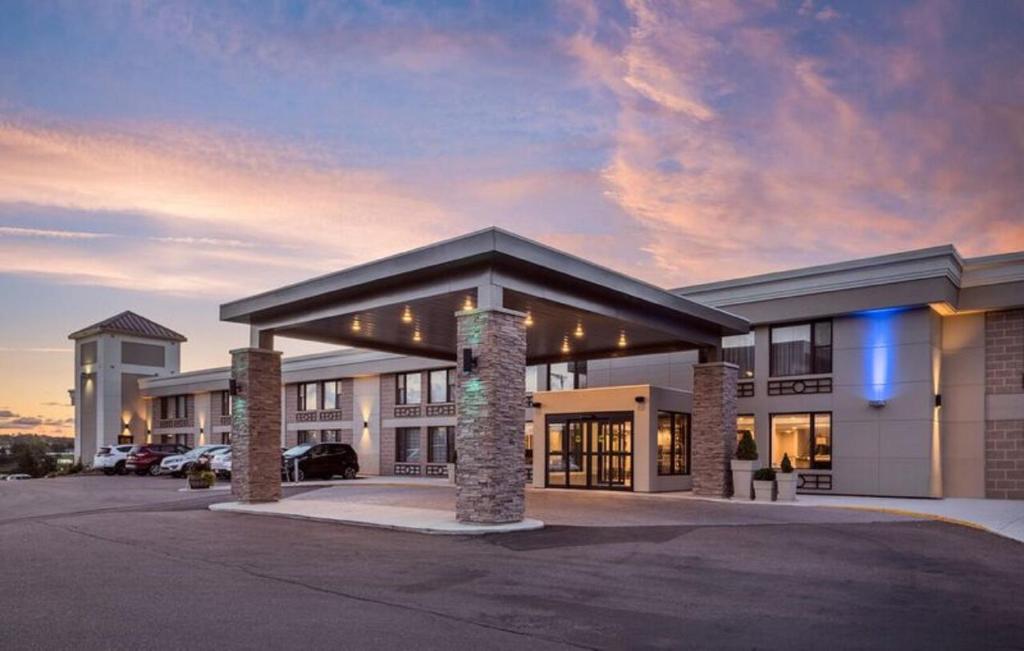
x=256 y=425
x=714 y=427
x=489 y=436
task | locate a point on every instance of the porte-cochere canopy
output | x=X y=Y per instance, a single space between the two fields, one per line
x=407 y=303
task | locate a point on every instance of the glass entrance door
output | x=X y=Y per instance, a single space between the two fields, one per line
x=590 y=451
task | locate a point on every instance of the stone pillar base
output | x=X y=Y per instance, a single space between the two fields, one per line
x=489 y=436
x=714 y=427
x=256 y=425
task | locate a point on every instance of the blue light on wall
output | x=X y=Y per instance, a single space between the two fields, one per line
x=879 y=353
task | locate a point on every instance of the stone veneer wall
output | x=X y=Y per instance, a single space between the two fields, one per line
x=714 y=427
x=1004 y=374
x=256 y=425
x=489 y=433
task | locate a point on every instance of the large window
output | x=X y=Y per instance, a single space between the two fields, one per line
x=531 y=378
x=407 y=388
x=441 y=444
x=332 y=394
x=739 y=350
x=305 y=436
x=308 y=395
x=801 y=349
x=442 y=386
x=407 y=445
x=330 y=436
x=567 y=375
x=673 y=443
x=174 y=407
x=225 y=403
x=744 y=425
x=806 y=438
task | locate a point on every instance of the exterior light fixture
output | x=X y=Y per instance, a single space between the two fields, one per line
x=468 y=304
x=622 y=339
x=200 y=430
x=528 y=321
x=366 y=424
x=877 y=404
x=938 y=399
x=640 y=399
x=578 y=332
x=407 y=315
x=356 y=325
x=565 y=345
x=536 y=405
x=416 y=336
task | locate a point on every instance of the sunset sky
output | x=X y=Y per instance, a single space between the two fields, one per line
x=167 y=157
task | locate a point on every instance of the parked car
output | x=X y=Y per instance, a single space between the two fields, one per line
x=320 y=461
x=220 y=464
x=18 y=476
x=177 y=465
x=111 y=459
x=144 y=459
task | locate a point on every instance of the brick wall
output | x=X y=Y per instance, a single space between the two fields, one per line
x=1004 y=352
x=1004 y=459
x=1004 y=374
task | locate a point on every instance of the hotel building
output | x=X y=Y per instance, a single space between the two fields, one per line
x=898 y=375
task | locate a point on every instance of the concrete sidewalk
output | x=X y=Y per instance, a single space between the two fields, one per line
x=1001 y=517
x=402 y=518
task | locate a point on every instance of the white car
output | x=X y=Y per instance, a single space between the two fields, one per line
x=221 y=464
x=177 y=465
x=18 y=477
x=111 y=459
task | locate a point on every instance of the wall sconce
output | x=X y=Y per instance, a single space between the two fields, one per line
x=535 y=405
x=366 y=424
x=640 y=400
x=149 y=431
x=877 y=404
x=200 y=430
x=468 y=360
x=938 y=399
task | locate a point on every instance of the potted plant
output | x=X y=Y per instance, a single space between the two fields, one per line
x=743 y=466
x=200 y=476
x=764 y=484
x=786 y=480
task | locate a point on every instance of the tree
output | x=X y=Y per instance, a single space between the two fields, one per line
x=30 y=457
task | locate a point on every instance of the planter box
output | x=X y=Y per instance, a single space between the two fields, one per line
x=787 y=486
x=742 y=474
x=199 y=483
x=764 y=490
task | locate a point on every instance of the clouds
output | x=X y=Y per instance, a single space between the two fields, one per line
x=39 y=424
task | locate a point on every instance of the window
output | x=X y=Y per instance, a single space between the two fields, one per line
x=225 y=438
x=744 y=424
x=441 y=442
x=739 y=350
x=173 y=407
x=806 y=438
x=308 y=396
x=407 y=388
x=801 y=349
x=181 y=439
x=225 y=403
x=567 y=375
x=528 y=441
x=164 y=410
x=305 y=436
x=330 y=436
x=181 y=406
x=531 y=379
x=332 y=394
x=673 y=443
x=442 y=385
x=407 y=445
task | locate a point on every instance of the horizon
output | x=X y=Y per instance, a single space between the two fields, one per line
x=166 y=158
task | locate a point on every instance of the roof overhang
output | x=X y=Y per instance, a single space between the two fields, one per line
x=407 y=303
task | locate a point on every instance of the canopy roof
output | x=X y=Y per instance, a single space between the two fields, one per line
x=406 y=303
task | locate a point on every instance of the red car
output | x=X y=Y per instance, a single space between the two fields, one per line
x=144 y=459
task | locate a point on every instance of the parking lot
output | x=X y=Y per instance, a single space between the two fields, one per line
x=130 y=562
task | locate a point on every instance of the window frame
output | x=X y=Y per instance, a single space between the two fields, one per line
x=449 y=383
x=752 y=416
x=673 y=435
x=753 y=357
x=449 y=438
x=573 y=368
x=402 y=388
x=337 y=395
x=226 y=405
x=401 y=452
x=812 y=325
x=302 y=404
x=811 y=433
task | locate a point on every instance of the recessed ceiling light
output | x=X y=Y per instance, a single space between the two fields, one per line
x=622 y=339
x=578 y=332
x=565 y=345
x=356 y=326
x=529 y=320
x=407 y=315
x=468 y=303
x=416 y=336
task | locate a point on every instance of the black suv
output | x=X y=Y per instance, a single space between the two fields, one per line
x=320 y=461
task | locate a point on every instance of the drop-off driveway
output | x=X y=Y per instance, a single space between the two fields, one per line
x=78 y=570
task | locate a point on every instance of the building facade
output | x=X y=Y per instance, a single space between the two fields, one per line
x=899 y=375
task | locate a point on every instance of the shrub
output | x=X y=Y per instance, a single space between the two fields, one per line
x=787 y=465
x=747 y=448
x=764 y=474
x=200 y=475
